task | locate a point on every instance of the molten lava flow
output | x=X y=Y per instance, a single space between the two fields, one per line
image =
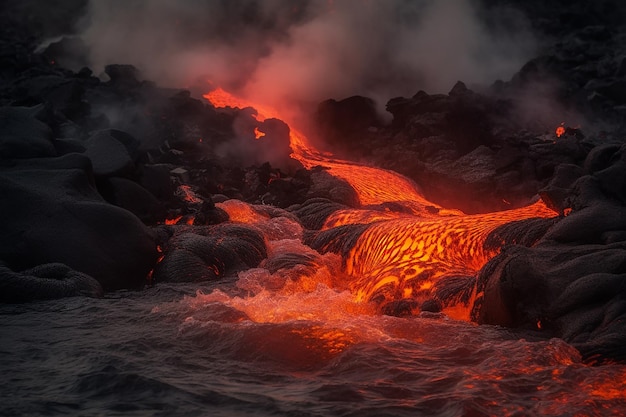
x=409 y=256
x=400 y=255
x=240 y=212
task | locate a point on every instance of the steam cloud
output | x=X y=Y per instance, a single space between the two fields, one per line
x=279 y=51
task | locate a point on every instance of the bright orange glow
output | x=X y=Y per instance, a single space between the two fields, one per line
x=560 y=130
x=607 y=385
x=400 y=254
x=240 y=212
x=258 y=134
x=610 y=389
x=189 y=195
x=220 y=98
x=173 y=221
x=333 y=341
x=416 y=253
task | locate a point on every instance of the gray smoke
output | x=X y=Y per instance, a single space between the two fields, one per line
x=282 y=52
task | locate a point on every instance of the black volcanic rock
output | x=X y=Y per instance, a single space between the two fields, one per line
x=572 y=282
x=209 y=253
x=133 y=197
x=67 y=52
x=44 y=282
x=22 y=135
x=313 y=212
x=468 y=120
x=324 y=185
x=558 y=191
x=109 y=156
x=156 y=179
x=572 y=292
x=477 y=149
x=342 y=122
x=63 y=93
x=208 y=214
x=123 y=77
x=55 y=215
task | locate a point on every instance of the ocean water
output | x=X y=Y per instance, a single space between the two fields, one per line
x=217 y=350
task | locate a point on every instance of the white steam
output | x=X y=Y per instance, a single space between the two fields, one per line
x=280 y=51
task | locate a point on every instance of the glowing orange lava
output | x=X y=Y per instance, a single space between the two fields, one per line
x=560 y=131
x=399 y=255
x=407 y=257
x=173 y=220
x=240 y=212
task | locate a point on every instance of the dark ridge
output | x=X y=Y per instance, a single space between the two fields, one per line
x=225 y=249
x=338 y=240
x=455 y=290
x=522 y=232
x=314 y=212
x=45 y=282
x=289 y=260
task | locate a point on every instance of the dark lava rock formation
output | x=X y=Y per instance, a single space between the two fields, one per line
x=572 y=282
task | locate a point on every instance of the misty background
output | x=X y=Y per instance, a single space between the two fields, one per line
x=289 y=54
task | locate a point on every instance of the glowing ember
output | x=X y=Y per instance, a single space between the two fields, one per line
x=560 y=131
x=187 y=193
x=173 y=220
x=258 y=134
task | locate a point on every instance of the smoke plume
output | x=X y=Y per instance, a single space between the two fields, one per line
x=283 y=52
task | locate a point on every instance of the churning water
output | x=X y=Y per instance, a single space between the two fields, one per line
x=181 y=350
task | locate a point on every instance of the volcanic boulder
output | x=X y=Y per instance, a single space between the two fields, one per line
x=110 y=153
x=52 y=213
x=133 y=197
x=572 y=283
x=43 y=282
x=209 y=253
x=324 y=185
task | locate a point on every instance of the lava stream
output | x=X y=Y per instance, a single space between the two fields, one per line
x=373 y=185
x=393 y=256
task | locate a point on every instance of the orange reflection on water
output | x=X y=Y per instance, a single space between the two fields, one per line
x=334 y=341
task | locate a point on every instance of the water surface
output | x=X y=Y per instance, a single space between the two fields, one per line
x=213 y=350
